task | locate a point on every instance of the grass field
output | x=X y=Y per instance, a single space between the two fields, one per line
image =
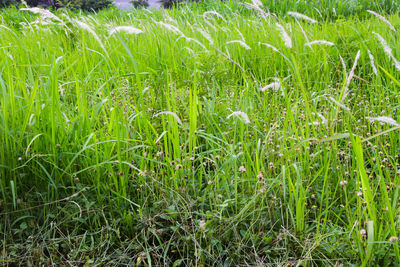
x=214 y=134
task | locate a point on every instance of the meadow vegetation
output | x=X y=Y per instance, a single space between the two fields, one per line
x=257 y=133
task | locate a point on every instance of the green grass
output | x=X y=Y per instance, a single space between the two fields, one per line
x=120 y=149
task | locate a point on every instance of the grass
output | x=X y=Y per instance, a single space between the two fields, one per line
x=206 y=139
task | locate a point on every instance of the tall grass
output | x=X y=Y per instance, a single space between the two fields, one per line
x=197 y=138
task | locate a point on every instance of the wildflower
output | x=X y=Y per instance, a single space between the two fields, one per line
x=179 y=166
x=363 y=233
x=359 y=194
x=260 y=176
x=393 y=239
x=242 y=169
x=271 y=165
x=202 y=225
x=343 y=183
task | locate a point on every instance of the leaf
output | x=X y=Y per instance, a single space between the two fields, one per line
x=389 y=75
x=178 y=263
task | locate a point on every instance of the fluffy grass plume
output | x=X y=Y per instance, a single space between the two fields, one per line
x=173 y=114
x=351 y=75
x=241 y=43
x=383 y=119
x=388 y=50
x=240 y=115
x=319 y=42
x=284 y=35
x=372 y=61
x=382 y=18
x=274 y=86
x=301 y=16
x=44 y=13
x=126 y=29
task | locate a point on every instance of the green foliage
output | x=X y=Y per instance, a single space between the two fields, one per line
x=4 y=3
x=139 y=3
x=88 y=5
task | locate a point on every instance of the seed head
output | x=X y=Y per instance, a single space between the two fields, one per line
x=179 y=166
x=242 y=169
x=363 y=233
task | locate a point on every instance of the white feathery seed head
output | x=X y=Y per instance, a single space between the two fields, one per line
x=170 y=27
x=127 y=29
x=382 y=18
x=322 y=120
x=215 y=13
x=43 y=13
x=206 y=35
x=301 y=16
x=270 y=46
x=339 y=104
x=257 y=3
x=343 y=65
x=276 y=85
x=170 y=113
x=388 y=50
x=284 y=35
x=241 y=43
x=86 y=27
x=241 y=115
x=387 y=120
x=371 y=59
x=351 y=74
x=319 y=42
